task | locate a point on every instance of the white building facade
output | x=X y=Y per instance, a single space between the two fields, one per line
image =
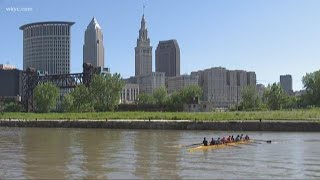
x=129 y=93
x=222 y=87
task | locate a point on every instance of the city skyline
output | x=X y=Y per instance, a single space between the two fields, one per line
x=268 y=37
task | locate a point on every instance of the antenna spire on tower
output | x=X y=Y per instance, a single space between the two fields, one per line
x=144 y=6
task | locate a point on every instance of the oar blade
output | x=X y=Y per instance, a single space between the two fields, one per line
x=267 y=141
x=197 y=144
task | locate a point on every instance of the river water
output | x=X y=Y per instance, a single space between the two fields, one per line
x=152 y=154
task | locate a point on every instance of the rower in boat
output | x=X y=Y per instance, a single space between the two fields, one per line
x=218 y=141
x=229 y=139
x=223 y=140
x=205 y=142
x=241 y=137
x=238 y=138
x=213 y=142
x=232 y=138
x=246 y=137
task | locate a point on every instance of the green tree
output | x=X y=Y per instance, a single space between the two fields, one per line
x=175 y=102
x=275 y=97
x=12 y=107
x=186 y=95
x=105 y=91
x=160 y=95
x=67 y=103
x=82 y=100
x=311 y=82
x=45 y=96
x=250 y=99
x=190 y=92
x=145 y=98
x=291 y=102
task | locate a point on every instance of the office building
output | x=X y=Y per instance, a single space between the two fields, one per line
x=299 y=93
x=168 y=58
x=286 y=83
x=178 y=82
x=222 y=87
x=143 y=51
x=251 y=79
x=260 y=90
x=46 y=46
x=149 y=82
x=10 y=83
x=93 y=49
x=131 y=80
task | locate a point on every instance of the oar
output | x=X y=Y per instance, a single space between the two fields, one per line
x=193 y=144
x=251 y=144
x=255 y=142
x=267 y=141
x=233 y=145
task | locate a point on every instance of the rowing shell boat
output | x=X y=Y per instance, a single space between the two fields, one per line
x=218 y=146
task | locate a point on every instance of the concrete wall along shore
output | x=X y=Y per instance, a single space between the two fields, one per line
x=303 y=126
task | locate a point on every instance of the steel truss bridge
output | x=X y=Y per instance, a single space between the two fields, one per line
x=30 y=79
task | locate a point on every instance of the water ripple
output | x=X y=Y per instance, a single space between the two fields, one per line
x=36 y=153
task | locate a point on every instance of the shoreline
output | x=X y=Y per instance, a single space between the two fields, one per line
x=231 y=125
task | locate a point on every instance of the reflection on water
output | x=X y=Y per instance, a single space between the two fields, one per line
x=144 y=154
x=155 y=154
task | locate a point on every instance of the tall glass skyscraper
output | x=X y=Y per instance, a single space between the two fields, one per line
x=93 y=49
x=286 y=83
x=46 y=46
x=168 y=58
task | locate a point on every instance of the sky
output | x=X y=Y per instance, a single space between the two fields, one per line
x=270 y=37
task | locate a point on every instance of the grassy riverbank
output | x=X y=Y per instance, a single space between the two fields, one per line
x=308 y=115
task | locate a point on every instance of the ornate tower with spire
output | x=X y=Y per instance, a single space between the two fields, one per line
x=143 y=51
x=93 y=49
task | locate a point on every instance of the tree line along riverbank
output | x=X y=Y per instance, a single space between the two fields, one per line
x=102 y=95
x=312 y=114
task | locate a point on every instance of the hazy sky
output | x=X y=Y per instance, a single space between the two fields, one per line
x=270 y=37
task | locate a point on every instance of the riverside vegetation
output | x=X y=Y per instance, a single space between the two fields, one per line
x=312 y=114
x=100 y=101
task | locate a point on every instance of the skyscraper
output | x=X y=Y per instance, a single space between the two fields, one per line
x=46 y=46
x=143 y=51
x=168 y=58
x=93 y=49
x=286 y=83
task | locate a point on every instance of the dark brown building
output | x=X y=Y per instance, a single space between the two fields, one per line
x=11 y=83
x=168 y=58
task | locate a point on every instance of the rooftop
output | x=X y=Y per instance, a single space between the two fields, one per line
x=47 y=23
x=94 y=23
